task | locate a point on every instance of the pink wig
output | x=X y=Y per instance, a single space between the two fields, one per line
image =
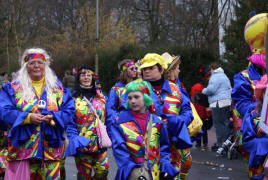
x=257 y=57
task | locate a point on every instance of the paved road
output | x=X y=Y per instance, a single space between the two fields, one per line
x=225 y=169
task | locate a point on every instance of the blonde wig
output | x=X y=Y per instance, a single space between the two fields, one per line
x=24 y=81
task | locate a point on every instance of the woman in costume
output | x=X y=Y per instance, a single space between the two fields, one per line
x=89 y=105
x=254 y=140
x=128 y=73
x=170 y=104
x=132 y=130
x=172 y=74
x=37 y=109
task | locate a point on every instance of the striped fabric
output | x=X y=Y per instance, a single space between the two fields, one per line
x=135 y=143
x=45 y=169
x=85 y=164
x=31 y=146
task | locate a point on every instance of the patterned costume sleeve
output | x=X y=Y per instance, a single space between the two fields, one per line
x=121 y=154
x=166 y=166
x=254 y=140
x=242 y=95
x=9 y=114
x=13 y=117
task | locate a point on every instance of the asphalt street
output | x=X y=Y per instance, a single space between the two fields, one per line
x=207 y=165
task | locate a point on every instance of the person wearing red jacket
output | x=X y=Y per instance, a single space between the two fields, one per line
x=202 y=111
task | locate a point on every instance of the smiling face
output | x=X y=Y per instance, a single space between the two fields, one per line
x=136 y=102
x=36 y=69
x=85 y=79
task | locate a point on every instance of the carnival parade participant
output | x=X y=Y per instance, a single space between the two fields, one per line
x=128 y=73
x=172 y=74
x=173 y=70
x=37 y=108
x=219 y=98
x=141 y=138
x=243 y=93
x=244 y=85
x=89 y=108
x=168 y=103
x=254 y=140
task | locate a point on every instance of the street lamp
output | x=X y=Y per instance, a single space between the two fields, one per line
x=97 y=38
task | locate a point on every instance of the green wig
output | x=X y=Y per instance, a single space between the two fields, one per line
x=142 y=86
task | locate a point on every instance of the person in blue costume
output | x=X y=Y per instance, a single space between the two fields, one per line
x=168 y=102
x=243 y=94
x=172 y=74
x=244 y=82
x=37 y=109
x=254 y=140
x=128 y=73
x=132 y=129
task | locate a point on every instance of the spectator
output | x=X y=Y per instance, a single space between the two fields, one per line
x=5 y=77
x=74 y=71
x=219 y=97
x=202 y=111
x=68 y=81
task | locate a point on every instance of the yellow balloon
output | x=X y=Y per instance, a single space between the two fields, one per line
x=255 y=30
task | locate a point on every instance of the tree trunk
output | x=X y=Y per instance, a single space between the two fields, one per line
x=14 y=25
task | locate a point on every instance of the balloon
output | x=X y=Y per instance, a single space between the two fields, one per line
x=255 y=30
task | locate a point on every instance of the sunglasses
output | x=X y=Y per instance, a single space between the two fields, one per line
x=133 y=68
